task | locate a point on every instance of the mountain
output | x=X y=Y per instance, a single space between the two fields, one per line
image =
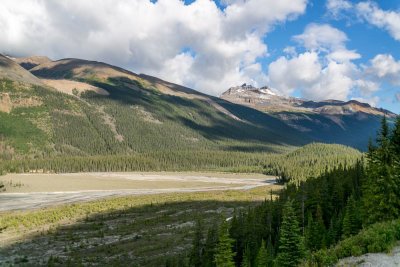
x=75 y=107
x=13 y=71
x=335 y=121
x=31 y=62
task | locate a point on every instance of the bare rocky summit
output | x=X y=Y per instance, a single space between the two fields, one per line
x=269 y=100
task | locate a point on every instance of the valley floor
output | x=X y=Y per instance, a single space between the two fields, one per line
x=137 y=230
x=33 y=191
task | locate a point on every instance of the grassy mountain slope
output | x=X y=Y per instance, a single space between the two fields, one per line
x=124 y=114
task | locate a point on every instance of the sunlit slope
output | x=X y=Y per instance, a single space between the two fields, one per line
x=82 y=108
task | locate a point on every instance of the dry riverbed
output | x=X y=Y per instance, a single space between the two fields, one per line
x=33 y=191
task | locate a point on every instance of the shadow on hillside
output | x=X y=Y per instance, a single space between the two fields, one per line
x=144 y=235
x=252 y=126
x=5 y=62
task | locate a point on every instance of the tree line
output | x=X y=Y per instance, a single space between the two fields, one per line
x=314 y=215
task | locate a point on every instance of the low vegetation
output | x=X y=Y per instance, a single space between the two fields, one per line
x=379 y=237
x=138 y=230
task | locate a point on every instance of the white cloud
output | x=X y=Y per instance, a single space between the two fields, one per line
x=335 y=82
x=151 y=38
x=321 y=37
x=335 y=7
x=324 y=71
x=290 y=50
x=384 y=67
x=300 y=71
x=370 y=12
x=388 y=20
x=367 y=87
x=373 y=101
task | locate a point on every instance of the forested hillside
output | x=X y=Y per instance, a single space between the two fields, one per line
x=122 y=113
x=84 y=108
x=332 y=121
x=306 y=222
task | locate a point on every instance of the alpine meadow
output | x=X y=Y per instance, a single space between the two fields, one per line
x=199 y=133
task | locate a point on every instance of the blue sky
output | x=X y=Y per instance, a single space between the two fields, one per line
x=315 y=49
x=368 y=40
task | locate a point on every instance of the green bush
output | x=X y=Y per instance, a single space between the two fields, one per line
x=379 y=237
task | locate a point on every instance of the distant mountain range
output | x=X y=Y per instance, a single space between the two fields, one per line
x=74 y=107
x=269 y=100
x=329 y=120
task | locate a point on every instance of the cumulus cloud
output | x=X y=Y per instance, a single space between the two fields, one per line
x=384 y=68
x=370 y=12
x=321 y=37
x=324 y=71
x=198 y=44
x=299 y=71
x=367 y=87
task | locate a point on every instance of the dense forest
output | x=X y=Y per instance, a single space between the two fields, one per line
x=41 y=122
x=349 y=210
x=292 y=167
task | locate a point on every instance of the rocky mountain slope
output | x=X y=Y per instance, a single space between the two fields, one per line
x=270 y=100
x=329 y=120
x=75 y=107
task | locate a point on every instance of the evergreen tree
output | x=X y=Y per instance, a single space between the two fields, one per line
x=351 y=222
x=395 y=138
x=210 y=246
x=315 y=233
x=223 y=252
x=291 y=248
x=333 y=232
x=246 y=262
x=197 y=250
x=381 y=189
x=395 y=147
x=265 y=257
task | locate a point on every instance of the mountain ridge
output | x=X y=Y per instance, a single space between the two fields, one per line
x=265 y=98
x=83 y=108
x=88 y=108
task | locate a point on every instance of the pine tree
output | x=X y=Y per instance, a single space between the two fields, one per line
x=291 y=247
x=333 y=232
x=381 y=188
x=223 y=252
x=351 y=222
x=210 y=246
x=246 y=262
x=265 y=257
x=395 y=138
x=197 y=250
x=315 y=232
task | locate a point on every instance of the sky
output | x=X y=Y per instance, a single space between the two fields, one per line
x=315 y=49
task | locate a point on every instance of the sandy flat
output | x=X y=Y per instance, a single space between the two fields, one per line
x=32 y=191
